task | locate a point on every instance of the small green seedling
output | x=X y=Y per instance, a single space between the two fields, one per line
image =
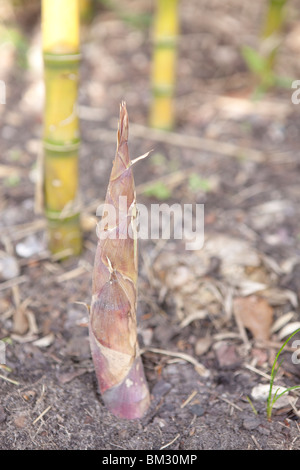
x=159 y=190
x=252 y=406
x=135 y=20
x=19 y=42
x=12 y=180
x=272 y=399
x=261 y=63
x=196 y=183
x=261 y=68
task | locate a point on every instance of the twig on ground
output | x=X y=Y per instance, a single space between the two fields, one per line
x=186 y=357
x=187 y=401
x=9 y=380
x=72 y=274
x=180 y=140
x=256 y=442
x=16 y=232
x=12 y=282
x=170 y=443
x=42 y=414
x=257 y=371
x=231 y=403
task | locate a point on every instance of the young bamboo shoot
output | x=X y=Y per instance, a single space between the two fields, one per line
x=112 y=325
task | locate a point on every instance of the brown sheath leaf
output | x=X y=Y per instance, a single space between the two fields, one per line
x=113 y=335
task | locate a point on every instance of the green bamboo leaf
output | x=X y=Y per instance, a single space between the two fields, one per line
x=197 y=183
x=255 y=62
x=158 y=190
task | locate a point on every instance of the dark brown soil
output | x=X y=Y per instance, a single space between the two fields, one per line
x=248 y=164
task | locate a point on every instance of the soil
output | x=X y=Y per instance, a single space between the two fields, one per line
x=225 y=306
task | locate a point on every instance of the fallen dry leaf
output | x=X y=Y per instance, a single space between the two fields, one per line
x=288 y=329
x=233 y=252
x=226 y=354
x=255 y=314
x=66 y=377
x=282 y=321
x=260 y=356
x=45 y=341
x=203 y=345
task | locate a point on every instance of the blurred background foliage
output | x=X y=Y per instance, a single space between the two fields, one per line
x=19 y=17
x=164 y=35
x=23 y=14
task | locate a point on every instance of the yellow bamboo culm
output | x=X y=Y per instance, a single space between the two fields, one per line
x=86 y=10
x=61 y=139
x=166 y=26
x=275 y=17
x=272 y=28
x=60 y=22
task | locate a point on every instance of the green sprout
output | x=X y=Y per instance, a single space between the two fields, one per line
x=12 y=181
x=252 y=406
x=272 y=400
x=196 y=183
x=19 y=42
x=135 y=20
x=261 y=67
x=158 y=190
x=261 y=62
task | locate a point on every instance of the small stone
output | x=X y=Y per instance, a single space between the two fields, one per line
x=252 y=422
x=261 y=393
x=161 y=388
x=147 y=335
x=2 y=415
x=78 y=347
x=20 y=421
x=203 y=345
x=197 y=410
x=160 y=422
x=9 y=268
x=29 y=247
x=260 y=355
x=263 y=430
x=226 y=355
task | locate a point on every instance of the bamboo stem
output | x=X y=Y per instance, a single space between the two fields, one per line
x=60 y=26
x=275 y=17
x=165 y=33
x=272 y=28
x=86 y=10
